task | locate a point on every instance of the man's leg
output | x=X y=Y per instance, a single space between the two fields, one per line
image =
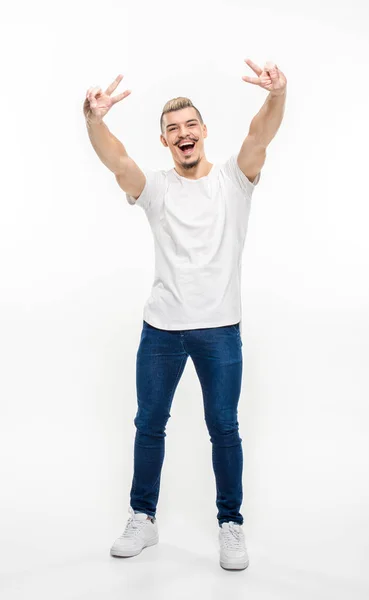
x=217 y=356
x=161 y=359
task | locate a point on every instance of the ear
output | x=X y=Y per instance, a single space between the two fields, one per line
x=163 y=141
x=205 y=131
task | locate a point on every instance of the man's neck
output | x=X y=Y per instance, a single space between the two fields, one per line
x=201 y=170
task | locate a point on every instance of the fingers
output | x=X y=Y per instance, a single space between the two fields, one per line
x=91 y=94
x=270 y=65
x=91 y=89
x=254 y=67
x=94 y=91
x=254 y=80
x=110 y=89
x=115 y=99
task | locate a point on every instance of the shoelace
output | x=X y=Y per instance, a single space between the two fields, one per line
x=233 y=537
x=133 y=526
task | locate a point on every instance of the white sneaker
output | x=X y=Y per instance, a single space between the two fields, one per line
x=233 y=552
x=139 y=533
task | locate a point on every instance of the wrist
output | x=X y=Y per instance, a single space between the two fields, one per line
x=90 y=120
x=279 y=93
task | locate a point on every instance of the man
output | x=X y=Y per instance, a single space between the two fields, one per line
x=198 y=213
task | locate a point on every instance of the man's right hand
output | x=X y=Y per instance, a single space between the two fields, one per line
x=98 y=103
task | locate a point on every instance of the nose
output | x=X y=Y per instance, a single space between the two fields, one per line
x=184 y=133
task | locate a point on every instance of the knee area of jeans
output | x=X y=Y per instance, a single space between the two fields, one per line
x=223 y=425
x=226 y=439
x=151 y=425
x=145 y=435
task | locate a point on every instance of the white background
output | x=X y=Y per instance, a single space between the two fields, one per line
x=77 y=266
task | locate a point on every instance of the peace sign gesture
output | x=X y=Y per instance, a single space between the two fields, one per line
x=270 y=78
x=98 y=103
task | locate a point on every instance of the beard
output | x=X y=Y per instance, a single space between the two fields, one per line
x=190 y=164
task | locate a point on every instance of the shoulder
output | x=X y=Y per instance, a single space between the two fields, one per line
x=154 y=185
x=231 y=170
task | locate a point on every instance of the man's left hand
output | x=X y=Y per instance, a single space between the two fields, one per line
x=270 y=78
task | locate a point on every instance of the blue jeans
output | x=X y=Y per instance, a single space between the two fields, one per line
x=161 y=358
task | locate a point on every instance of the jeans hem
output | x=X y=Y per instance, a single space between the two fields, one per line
x=220 y=523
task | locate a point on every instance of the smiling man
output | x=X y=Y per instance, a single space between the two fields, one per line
x=198 y=213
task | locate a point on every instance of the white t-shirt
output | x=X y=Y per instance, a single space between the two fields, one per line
x=199 y=228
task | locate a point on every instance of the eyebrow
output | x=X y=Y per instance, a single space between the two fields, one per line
x=189 y=120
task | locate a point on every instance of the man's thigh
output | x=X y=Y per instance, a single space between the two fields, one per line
x=217 y=357
x=160 y=362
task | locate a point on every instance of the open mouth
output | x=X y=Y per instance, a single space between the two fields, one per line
x=187 y=148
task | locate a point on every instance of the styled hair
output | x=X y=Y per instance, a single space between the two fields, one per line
x=178 y=104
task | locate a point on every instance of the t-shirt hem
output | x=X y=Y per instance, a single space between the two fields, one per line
x=182 y=326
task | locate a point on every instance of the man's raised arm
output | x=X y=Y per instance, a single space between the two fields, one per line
x=108 y=148
x=266 y=123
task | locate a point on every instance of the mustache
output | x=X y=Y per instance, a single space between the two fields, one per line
x=181 y=141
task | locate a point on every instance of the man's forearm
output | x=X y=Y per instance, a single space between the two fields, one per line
x=108 y=148
x=266 y=123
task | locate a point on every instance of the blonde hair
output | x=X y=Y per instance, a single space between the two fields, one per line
x=178 y=104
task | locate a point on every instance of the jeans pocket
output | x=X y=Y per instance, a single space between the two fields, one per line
x=236 y=327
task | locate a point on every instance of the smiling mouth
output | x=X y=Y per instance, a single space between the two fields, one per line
x=187 y=148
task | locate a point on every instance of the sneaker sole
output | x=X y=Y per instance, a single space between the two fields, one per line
x=127 y=553
x=234 y=566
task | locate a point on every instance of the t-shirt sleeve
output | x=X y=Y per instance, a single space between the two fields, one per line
x=234 y=172
x=153 y=186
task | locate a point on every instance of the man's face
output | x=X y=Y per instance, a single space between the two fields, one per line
x=180 y=126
